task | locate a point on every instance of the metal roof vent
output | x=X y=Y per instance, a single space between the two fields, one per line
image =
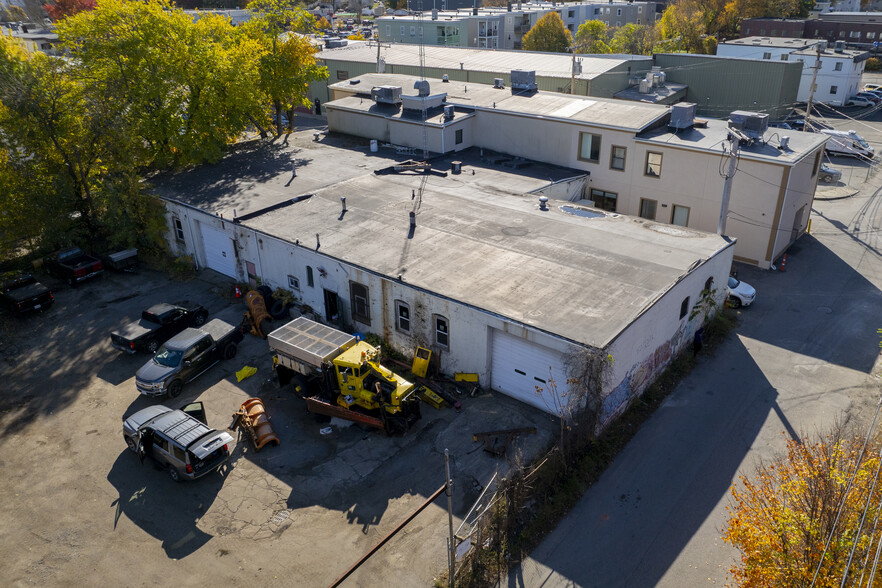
x=682 y=115
x=386 y=94
x=785 y=143
x=448 y=112
x=498 y=83
x=422 y=87
x=543 y=202
x=522 y=79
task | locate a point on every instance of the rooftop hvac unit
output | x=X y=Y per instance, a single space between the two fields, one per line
x=422 y=87
x=498 y=83
x=839 y=47
x=522 y=79
x=752 y=124
x=682 y=115
x=386 y=94
x=645 y=86
x=656 y=79
x=335 y=43
x=448 y=112
x=434 y=14
x=822 y=45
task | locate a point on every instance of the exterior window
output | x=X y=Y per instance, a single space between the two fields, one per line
x=838 y=66
x=604 y=200
x=855 y=35
x=458 y=136
x=647 y=208
x=597 y=11
x=774 y=33
x=589 y=147
x=834 y=89
x=401 y=30
x=653 y=164
x=617 y=158
x=767 y=55
x=442 y=335
x=618 y=23
x=784 y=57
x=388 y=30
x=361 y=310
x=871 y=35
x=842 y=33
x=179 y=229
x=293 y=283
x=684 y=307
x=402 y=316
x=680 y=215
x=309 y=279
x=817 y=164
x=342 y=74
x=638 y=20
x=412 y=31
x=607 y=10
x=639 y=10
x=571 y=14
x=618 y=12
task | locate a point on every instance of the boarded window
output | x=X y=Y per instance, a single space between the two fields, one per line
x=361 y=311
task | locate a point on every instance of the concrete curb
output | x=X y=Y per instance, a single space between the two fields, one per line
x=834 y=198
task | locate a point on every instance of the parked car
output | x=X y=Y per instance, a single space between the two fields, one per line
x=876 y=93
x=848 y=143
x=156 y=325
x=871 y=87
x=185 y=356
x=828 y=175
x=740 y=293
x=869 y=96
x=178 y=440
x=22 y=293
x=72 y=265
x=859 y=101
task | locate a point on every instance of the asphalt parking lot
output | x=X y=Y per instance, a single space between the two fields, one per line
x=79 y=508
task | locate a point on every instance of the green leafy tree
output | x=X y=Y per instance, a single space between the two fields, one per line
x=548 y=34
x=287 y=61
x=184 y=88
x=592 y=36
x=627 y=39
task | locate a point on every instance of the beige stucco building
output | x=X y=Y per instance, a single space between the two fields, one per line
x=632 y=160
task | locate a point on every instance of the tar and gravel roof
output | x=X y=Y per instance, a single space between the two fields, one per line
x=555 y=65
x=479 y=239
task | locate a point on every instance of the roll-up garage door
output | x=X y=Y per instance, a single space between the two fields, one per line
x=219 y=253
x=519 y=366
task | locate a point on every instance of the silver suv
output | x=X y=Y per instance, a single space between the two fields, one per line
x=178 y=440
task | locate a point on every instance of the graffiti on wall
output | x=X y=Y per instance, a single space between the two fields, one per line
x=642 y=374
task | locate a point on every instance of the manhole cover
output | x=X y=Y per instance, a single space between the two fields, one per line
x=280 y=517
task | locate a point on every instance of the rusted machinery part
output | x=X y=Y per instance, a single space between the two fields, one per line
x=256 y=421
x=260 y=318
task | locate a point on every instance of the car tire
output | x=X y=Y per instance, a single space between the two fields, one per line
x=200 y=318
x=734 y=302
x=133 y=447
x=152 y=346
x=230 y=351
x=173 y=473
x=828 y=179
x=174 y=389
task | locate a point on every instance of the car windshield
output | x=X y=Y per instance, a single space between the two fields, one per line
x=168 y=357
x=863 y=143
x=733 y=283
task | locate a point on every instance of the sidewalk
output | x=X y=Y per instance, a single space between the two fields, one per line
x=839 y=191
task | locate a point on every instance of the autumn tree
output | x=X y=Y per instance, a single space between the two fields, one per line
x=592 y=36
x=64 y=8
x=814 y=510
x=287 y=60
x=548 y=34
x=322 y=24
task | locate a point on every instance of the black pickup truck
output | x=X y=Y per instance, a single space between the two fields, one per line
x=185 y=356
x=22 y=293
x=73 y=266
x=157 y=324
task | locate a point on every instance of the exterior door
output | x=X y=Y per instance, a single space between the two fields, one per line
x=219 y=250
x=332 y=312
x=527 y=371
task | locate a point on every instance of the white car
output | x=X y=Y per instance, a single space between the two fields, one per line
x=858 y=101
x=740 y=293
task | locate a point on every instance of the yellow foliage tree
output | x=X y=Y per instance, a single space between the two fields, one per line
x=821 y=498
x=548 y=34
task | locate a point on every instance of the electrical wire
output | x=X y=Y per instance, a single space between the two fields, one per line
x=845 y=494
x=857 y=533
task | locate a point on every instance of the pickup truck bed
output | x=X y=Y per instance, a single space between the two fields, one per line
x=23 y=293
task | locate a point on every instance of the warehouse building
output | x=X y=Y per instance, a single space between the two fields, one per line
x=492 y=279
x=634 y=159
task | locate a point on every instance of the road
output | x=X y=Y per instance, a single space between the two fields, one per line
x=805 y=355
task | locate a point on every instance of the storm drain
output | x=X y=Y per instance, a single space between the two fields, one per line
x=280 y=517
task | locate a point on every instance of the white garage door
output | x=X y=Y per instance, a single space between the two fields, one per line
x=519 y=366
x=219 y=254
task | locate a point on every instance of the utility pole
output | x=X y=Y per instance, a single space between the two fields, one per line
x=379 y=46
x=451 y=554
x=808 y=108
x=576 y=66
x=727 y=186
